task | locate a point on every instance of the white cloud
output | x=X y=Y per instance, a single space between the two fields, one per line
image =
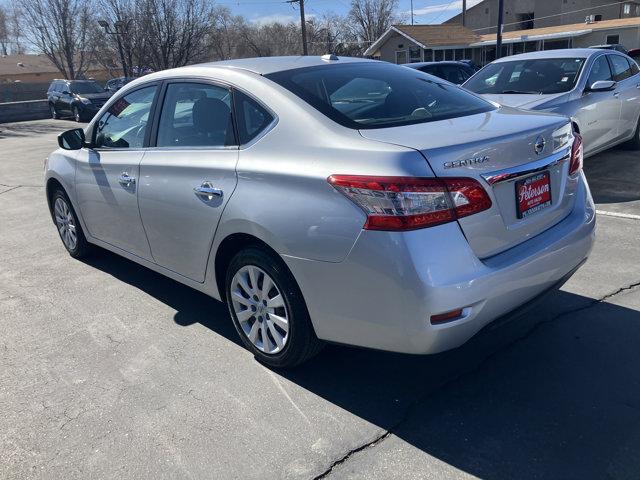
x=451 y=7
x=279 y=18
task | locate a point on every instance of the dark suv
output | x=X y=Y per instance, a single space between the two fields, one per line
x=80 y=98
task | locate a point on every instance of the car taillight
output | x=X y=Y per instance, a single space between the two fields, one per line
x=577 y=154
x=409 y=203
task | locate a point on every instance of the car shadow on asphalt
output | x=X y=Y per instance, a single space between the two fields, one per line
x=191 y=306
x=553 y=393
x=613 y=175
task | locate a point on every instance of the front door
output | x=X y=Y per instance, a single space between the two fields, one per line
x=107 y=176
x=188 y=177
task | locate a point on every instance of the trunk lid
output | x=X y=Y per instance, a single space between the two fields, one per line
x=497 y=149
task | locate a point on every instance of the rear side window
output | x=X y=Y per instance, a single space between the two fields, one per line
x=195 y=115
x=124 y=124
x=600 y=71
x=621 y=68
x=378 y=95
x=252 y=118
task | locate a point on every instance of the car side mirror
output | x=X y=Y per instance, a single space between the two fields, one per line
x=72 y=139
x=602 y=86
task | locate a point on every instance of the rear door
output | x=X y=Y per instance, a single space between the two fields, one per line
x=628 y=90
x=598 y=112
x=107 y=176
x=189 y=175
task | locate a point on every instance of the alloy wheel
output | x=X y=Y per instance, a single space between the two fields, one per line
x=260 y=309
x=76 y=114
x=66 y=224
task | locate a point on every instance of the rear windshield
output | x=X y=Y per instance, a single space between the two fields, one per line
x=85 y=87
x=378 y=95
x=534 y=76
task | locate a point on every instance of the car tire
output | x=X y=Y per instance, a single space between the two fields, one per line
x=54 y=112
x=68 y=226
x=634 y=143
x=77 y=115
x=268 y=310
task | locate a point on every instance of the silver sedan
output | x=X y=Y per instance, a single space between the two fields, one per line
x=329 y=199
x=598 y=89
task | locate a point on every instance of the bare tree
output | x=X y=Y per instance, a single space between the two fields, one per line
x=371 y=18
x=4 y=32
x=11 y=41
x=61 y=30
x=177 y=31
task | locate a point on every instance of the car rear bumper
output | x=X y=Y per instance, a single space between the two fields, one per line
x=384 y=293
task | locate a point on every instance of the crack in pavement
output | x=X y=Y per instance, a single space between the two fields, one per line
x=21 y=186
x=463 y=374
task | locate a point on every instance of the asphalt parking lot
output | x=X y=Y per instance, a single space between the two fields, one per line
x=108 y=370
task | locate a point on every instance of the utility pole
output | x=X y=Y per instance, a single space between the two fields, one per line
x=303 y=26
x=464 y=13
x=412 y=10
x=500 y=27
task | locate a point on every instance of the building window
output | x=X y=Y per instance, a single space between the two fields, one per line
x=414 y=55
x=626 y=9
x=613 y=39
x=438 y=55
x=428 y=55
x=556 y=44
x=459 y=54
x=526 y=20
x=597 y=18
x=448 y=54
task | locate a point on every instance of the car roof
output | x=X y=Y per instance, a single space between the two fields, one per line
x=561 y=53
x=267 y=65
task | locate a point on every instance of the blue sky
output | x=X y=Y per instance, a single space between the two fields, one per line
x=425 y=11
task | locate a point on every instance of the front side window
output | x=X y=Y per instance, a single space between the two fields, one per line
x=378 y=95
x=195 y=115
x=600 y=71
x=253 y=118
x=534 y=76
x=621 y=68
x=124 y=124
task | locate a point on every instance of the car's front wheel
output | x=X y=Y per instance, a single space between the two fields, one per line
x=68 y=225
x=268 y=310
x=54 y=112
x=77 y=116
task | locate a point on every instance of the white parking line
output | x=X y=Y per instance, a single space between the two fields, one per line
x=619 y=215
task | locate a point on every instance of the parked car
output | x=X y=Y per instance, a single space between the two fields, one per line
x=612 y=46
x=635 y=54
x=598 y=89
x=79 y=98
x=454 y=72
x=329 y=199
x=115 y=84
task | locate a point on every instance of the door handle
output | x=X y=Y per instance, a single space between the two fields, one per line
x=126 y=180
x=207 y=191
x=637 y=85
x=616 y=94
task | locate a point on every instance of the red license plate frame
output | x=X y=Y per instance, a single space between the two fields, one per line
x=533 y=194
